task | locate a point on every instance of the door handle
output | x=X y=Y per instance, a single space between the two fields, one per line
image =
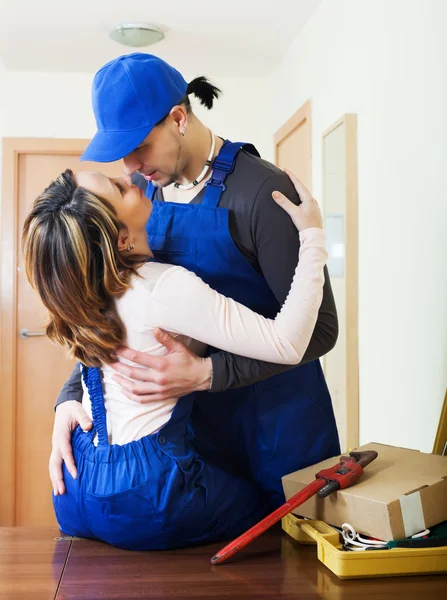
x=25 y=334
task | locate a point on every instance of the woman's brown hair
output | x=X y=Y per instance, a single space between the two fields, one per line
x=70 y=242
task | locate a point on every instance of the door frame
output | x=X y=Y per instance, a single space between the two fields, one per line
x=352 y=399
x=12 y=149
x=295 y=121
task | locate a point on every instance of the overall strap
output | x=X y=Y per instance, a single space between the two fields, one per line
x=222 y=166
x=93 y=382
x=150 y=190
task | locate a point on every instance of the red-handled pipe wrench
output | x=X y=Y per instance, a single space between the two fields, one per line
x=338 y=477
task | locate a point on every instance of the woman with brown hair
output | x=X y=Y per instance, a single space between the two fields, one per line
x=141 y=483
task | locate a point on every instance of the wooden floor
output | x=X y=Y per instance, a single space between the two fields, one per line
x=37 y=564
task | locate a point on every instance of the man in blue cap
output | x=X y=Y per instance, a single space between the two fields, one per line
x=213 y=214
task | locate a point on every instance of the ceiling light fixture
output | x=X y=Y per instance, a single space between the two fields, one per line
x=136 y=34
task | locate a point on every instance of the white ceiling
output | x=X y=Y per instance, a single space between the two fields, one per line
x=225 y=37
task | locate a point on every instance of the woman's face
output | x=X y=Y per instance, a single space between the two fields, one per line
x=132 y=207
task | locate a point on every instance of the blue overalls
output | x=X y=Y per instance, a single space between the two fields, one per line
x=270 y=428
x=154 y=493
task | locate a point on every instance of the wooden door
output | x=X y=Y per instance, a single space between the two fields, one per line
x=33 y=368
x=293 y=145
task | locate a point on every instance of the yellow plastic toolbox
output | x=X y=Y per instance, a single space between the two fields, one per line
x=375 y=563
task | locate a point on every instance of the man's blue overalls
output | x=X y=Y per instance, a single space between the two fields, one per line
x=271 y=428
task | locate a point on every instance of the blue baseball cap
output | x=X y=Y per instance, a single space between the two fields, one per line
x=130 y=95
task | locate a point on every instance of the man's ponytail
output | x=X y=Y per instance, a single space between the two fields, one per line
x=204 y=90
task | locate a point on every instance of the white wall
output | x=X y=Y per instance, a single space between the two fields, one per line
x=2 y=124
x=58 y=105
x=386 y=60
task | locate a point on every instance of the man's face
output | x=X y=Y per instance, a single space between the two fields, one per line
x=159 y=157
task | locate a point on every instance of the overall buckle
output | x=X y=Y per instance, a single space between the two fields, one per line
x=216 y=183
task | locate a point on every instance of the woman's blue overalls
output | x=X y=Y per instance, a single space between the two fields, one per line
x=267 y=429
x=154 y=493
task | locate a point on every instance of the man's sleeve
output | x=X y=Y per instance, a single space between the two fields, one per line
x=276 y=241
x=72 y=389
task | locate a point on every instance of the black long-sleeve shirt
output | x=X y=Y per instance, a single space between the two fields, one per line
x=269 y=241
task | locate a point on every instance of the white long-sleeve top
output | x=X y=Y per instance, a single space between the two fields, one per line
x=176 y=300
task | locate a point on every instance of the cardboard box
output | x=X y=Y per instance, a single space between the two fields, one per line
x=401 y=493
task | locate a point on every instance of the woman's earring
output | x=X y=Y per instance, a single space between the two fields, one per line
x=130 y=247
x=183 y=132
